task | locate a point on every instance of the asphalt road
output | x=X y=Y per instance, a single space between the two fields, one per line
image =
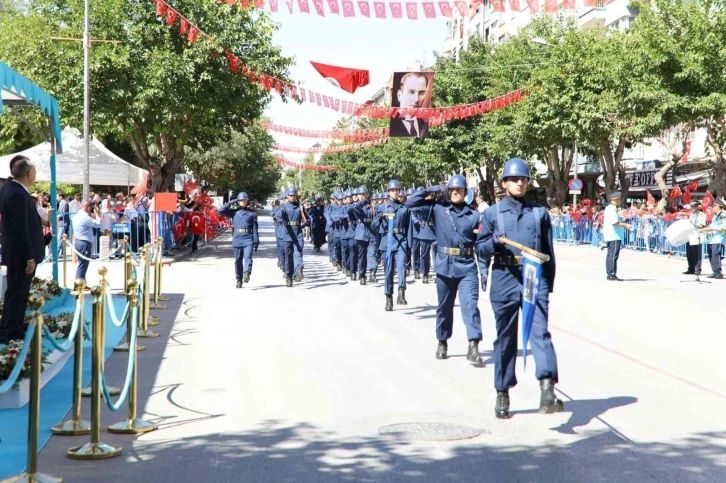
x=316 y=383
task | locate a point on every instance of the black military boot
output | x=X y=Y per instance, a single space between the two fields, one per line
x=417 y=275
x=340 y=267
x=299 y=277
x=473 y=354
x=239 y=283
x=389 y=303
x=548 y=402
x=362 y=279
x=354 y=276
x=401 y=300
x=408 y=272
x=425 y=278
x=372 y=277
x=442 y=351
x=247 y=277
x=288 y=281
x=501 y=410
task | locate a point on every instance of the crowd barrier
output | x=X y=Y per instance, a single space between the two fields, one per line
x=173 y=228
x=135 y=317
x=648 y=234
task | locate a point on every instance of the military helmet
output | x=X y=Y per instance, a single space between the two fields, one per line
x=394 y=185
x=516 y=167
x=292 y=191
x=409 y=192
x=242 y=196
x=456 y=182
x=363 y=190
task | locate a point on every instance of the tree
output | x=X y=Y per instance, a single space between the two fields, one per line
x=155 y=89
x=241 y=164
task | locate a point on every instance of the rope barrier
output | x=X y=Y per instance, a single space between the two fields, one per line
x=112 y=310
x=129 y=368
x=71 y=336
x=20 y=362
x=79 y=255
x=47 y=259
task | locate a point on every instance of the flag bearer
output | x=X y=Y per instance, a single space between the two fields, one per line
x=245 y=237
x=528 y=223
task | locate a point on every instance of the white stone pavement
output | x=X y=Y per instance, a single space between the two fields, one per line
x=276 y=384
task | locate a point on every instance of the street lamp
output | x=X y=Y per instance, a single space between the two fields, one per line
x=540 y=41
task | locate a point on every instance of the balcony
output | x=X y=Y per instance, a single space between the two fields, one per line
x=592 y=17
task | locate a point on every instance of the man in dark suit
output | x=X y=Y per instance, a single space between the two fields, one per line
x=412 y=92
x=23 y=246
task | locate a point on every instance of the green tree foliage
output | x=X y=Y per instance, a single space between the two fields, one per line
x=155 y=90
x=242 y=163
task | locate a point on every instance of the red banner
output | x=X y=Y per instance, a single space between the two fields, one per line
x=305 y=167
x=340 y=148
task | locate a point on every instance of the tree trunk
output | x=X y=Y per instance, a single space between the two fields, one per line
x=486 y=186
x=660 y=179
x=610 y=162
x=558 y=172
x=674 y=140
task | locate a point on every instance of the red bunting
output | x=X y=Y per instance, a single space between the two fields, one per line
x=338 y=148
x=305 y=167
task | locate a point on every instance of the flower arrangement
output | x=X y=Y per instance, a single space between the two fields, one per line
x=46 y=288
x=59 y=325
x=9 y=357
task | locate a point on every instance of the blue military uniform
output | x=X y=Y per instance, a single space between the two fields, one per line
x=292 y=221
x=528 y=223
x=336 y=216
x=456 y=268
x=425 y=233
x=350 y=235
x=393 y=221
x=345 y=233
x=278 y=234
x=364 y=233
x=244 y=238
x=316 y=215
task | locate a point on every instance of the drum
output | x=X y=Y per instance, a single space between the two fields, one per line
x=679 y=232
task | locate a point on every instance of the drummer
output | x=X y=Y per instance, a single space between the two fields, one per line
x=613 y=232
x=717 y=228
x=693 y=251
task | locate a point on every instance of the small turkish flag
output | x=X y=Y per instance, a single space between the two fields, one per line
x=516 y=7
x=198 y=223
x=346 y=78
x=333 y=4
x=707 y=200
x=412 y=10
x=569 y=4
x=686 y=152
x=318 y=4
x=348 y=10
x=429 y=10
x=675 y=193
x=380 y=9
x=445 y=9
x=364 y=8
x=686 y=198
x=141 y=186
x=498 y=5
x=650 y=200
x=550 y=6
x=396 y=11
x=692 y=186
x=533 y=5
x=180 y=228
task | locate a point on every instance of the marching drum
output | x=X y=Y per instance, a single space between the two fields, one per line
x=679 y=232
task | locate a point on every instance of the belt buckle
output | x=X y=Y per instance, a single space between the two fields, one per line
x=455 y=251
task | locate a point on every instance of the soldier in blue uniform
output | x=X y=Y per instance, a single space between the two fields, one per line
x=414 y=259
x=292 y=220
x=316 y=215
x=393 y=220
x=350 y=235
x=528 y=223
x=245 y=237
x=424 y=233
x=335 y=212
x=278 y=234
x=456 y=269
x=364 y=235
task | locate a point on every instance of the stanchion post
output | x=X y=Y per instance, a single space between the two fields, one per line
x=64 y=249
x=144 y=331
x=127 y=264
x=126 y=346
x=95 y=449
x=36 y=364
x=157 y=274
x=76 y=425
x=112 y=390
x=132 y=425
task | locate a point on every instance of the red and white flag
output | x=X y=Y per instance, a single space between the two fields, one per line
x=686 y=152
x=333 y=4
x=396 y=10
x=707 y=200
x=364 y=8
x=319 y=8
x=380 y=9
x=346 y=78
x=412 y=10
x=348 y=10
x=445 y=9
x=429 y=10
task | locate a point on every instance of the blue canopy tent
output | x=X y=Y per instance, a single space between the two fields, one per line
x=17 y=91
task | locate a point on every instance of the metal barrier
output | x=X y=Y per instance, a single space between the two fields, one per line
x=648 y=234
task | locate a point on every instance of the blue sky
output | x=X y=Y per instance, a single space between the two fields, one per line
x=380 y=45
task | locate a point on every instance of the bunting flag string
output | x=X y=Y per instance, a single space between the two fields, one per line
x=359 y=135
x=435 y=115
x=305 y=167
x=340 y=148
x=415 y=10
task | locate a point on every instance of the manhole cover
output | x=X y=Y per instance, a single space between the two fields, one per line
x=431 y=431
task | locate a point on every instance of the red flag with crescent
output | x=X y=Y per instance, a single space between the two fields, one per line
x=197 y=222
x=346 y=78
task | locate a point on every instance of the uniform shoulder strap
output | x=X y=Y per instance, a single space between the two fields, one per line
x=538 y=212
x=500 y=222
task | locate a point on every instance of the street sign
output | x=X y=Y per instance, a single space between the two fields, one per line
x=575 y=192
x=575 y=184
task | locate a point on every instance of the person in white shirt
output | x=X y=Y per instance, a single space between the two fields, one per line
x=74 y=206
x=693 y=250
x=717 y=229
x=83 y=231
x=612 y=231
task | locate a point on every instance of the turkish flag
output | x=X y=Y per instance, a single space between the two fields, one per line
x=396 y=11
x=649 y=197
x=141 y=186
x=550 y=6
x=498 y=5
x=304 y=6
x=333 y=4
x=318 y=4
x=180 y=228
x=211 y=232
x=364 y=8
x=568 y=4
x=533 y=5
x=516 y=7
x=429 y=10
x=675 y=193
x=462 y=7
x=445 y=9
x=198 y=223
x=346 y=78
x=380 y=9
x=707 y=200
x=189 y=186
x=412 y=10
x=590 y=3
x=686 y=198
x=693 y=185
x=348 y=10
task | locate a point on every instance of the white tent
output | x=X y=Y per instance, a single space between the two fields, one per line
x=106 y=168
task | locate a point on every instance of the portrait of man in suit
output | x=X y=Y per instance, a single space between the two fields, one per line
x=412 y=91
x=23 y=245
